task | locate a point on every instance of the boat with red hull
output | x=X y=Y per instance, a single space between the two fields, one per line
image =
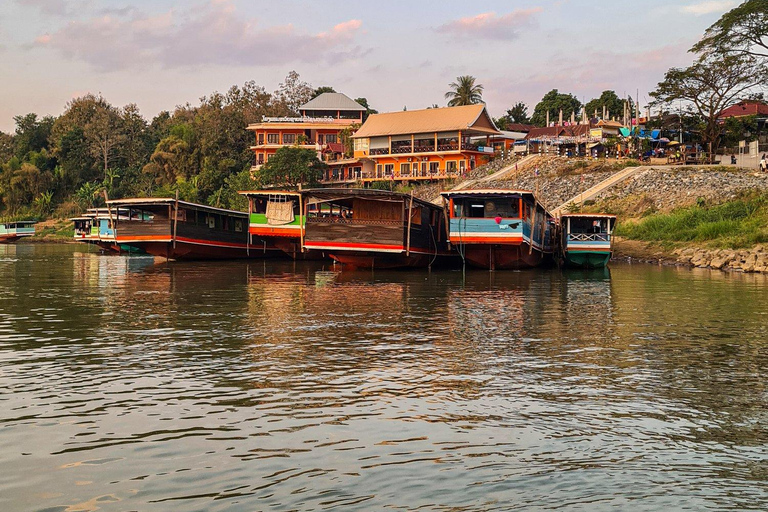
x=180 y=230
x=499 y=229
x=367 y=228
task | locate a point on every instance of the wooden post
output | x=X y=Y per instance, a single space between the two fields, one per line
x=302 y=221
x=175 y=218
x=248 y=227
x=109 y=213
x=410 y=220
x=447 y=217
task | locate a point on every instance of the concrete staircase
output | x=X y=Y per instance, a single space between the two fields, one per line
x=594 y=191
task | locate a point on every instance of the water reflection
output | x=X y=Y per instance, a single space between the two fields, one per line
x=132 y=384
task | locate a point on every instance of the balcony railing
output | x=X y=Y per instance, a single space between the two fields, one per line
x=589 y=237
x=408 y=149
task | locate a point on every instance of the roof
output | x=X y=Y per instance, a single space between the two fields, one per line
x=485 y=192
x=335 y=147
x=595 y=215
x=18 y=222
x=745 y=108
x=332 y=101
x=559 y=131
x=506 y=134
x=610 y=124
x=344 y=193
x=474 y=118
x=268 y=193
x=520 y=127
x=151 y=201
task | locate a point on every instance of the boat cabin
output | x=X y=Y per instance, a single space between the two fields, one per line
x=587 y=239
x=12 y=231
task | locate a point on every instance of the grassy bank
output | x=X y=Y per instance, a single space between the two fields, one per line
x=736 y=224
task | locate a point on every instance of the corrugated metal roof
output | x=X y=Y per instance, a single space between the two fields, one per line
x=150 y=201
x=468 y=117
x=595 y=215
x=332 y=101
x=485 y=192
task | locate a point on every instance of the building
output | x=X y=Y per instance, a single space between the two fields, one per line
x=319 y=128
x=425 y=144
x=746 y=108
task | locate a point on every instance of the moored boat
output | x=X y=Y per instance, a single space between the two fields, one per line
x=499 y=229
x=180 y=230
x=587 y=239
x=96 y=227
x=367 y=228
x=277 y=219
x=15 y=230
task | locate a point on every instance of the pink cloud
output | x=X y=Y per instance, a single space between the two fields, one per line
x=490 y=26
x=213 y=34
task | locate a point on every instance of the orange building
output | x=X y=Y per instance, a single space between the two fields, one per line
x=318 y=128
x=425 y=144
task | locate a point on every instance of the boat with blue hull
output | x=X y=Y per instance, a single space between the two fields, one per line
x=499 y=229
x=587 y=239
x=12 y=231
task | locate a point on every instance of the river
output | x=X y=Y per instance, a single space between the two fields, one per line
x=130 y=384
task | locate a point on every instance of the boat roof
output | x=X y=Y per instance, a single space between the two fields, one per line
x=150 y=201
x=328 y=194
x=19 y=222
x=593 y=215
x=484 y=192
x=80 y=218
x=269 y=193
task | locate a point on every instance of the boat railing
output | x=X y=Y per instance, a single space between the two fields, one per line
x=589 y=237
x=342 y=220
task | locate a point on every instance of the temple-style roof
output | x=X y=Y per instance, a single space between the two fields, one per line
x=332 y=102
x=473 y=118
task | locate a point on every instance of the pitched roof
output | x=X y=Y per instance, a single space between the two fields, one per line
x=332 y=101
x=520 y=127
x=745 y=108
x=446 y=119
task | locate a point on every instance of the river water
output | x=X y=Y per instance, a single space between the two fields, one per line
x=130 y=384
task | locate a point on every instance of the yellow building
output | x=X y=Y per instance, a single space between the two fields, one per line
x=428 y=144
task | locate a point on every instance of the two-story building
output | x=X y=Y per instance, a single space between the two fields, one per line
x=318 y=128
x=425 y=144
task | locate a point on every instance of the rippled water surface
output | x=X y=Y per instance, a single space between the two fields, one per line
x=133 y=385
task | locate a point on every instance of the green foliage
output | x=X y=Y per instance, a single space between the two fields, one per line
x=368 y=109
x=43 y=204
x=519 y=113
x=553 y=102
x=613 y=104
x=88 y=196
x=322 y=89
x=464 y=91
x=734 y=224
x=742 y=30
x=736 y=129
x=291 y=166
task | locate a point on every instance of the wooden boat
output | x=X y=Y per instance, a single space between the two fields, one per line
x=499 y=229
x=13 y=231
x=276 y=219
x=367 y=228
x=179 y=230
x=96 y=227
x=586 y=239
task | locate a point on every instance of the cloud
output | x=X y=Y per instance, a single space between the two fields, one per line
x=51 y=7
x=490 y=26
x=209 y=34
x=709 y=7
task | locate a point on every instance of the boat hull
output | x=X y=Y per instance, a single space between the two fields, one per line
x=587 y=259
x=9 y=239
x=502 y=256
x=184 y=250
x=373 y=260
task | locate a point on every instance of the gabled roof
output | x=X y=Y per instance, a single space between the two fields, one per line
x=520 y=127
x=332 y=101
x=745 y=108
x=473 y=118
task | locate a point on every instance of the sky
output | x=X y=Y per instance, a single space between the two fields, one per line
x=396 y=53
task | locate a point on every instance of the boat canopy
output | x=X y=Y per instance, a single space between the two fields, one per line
x=138 y=202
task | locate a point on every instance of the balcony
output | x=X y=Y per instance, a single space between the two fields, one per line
x=419 y=149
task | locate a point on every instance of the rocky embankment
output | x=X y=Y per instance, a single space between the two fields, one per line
x=752 y=260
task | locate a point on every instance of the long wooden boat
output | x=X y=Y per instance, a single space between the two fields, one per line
x=180 y=230
x=367 y=228
x=499 y=229
x=96 y=227
x=13 y=231
x=277 y=219
x=587 y=239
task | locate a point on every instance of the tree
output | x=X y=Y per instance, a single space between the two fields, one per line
x=612 y=103
x=368 y=109
x=104 y=134
x=320 y=90
x=553 y=102
x=167 y=163
x=519 y=113
x=708 y=87
x=464 y=91
x=291 y=166
x=293 y=93
x=137 y=145
x=741 y=31
x=31 y=134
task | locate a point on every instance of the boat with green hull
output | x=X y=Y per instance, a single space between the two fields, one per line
x=586 y=239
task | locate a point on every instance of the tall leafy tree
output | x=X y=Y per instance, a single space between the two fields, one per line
x=292 y=93
x=291 y=166
x=104 y=133
x=464 y=91
x=519 y=113
x=708 y=87
x=613 y=104
x=322 y=89
x=368 y=109
x=553 y=102
x=741 y=31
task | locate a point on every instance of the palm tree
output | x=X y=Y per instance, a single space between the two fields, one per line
x=464 y=91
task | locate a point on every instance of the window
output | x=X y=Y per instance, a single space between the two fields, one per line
x=423 y=168
x=389 y=169
x=261 y=138
x=362 y=144
x=330 y=138
x=450 y=166
x=261 y=158
x=238 y=226
x=462 y=165
x=273 y=138
x=289 y=138
x=405 y=169
x=358 y=172
x=434 y=167
x=379 y=170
